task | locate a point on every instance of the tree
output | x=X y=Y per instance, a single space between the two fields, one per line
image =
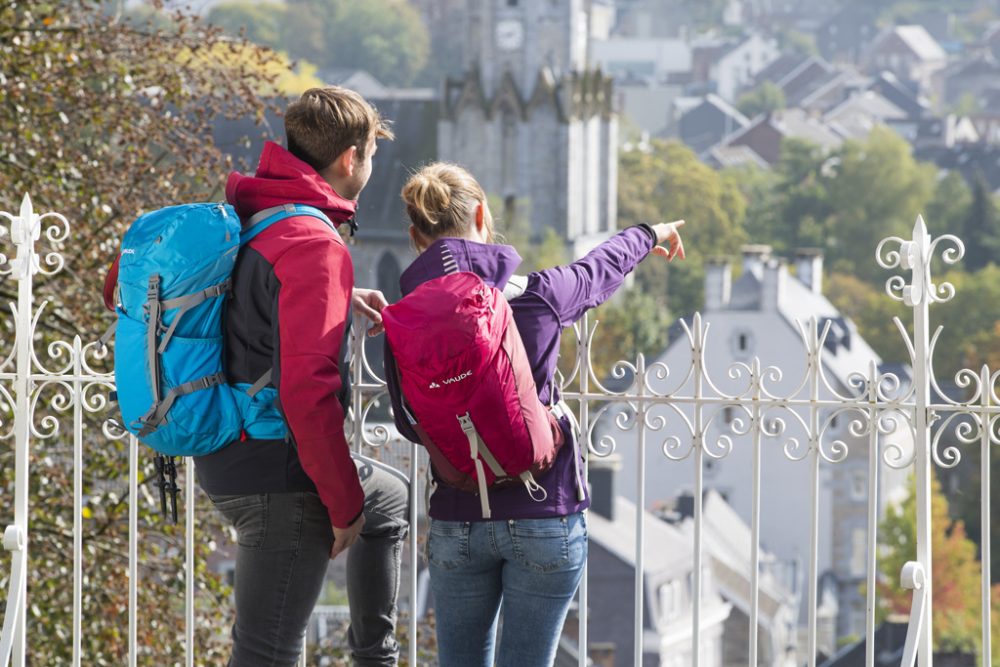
x=765 y=98
x=629 y=325
x=670 y=183
x=981 y=227
x=261 y=21
x=955 y=571
x=879 y=190
x=946 y=211
x=385 y=37
x=103 y=118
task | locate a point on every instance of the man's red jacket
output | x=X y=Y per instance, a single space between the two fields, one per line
x=291 y=311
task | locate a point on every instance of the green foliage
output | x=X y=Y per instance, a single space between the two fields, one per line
x=879 y=189
x=796 y=42
x=966 y=320
x=105 y=117
x=629 y=325
x=670 y=183
x=765 y=98
x=954 y=571
x=385 y=37
x=946 y=211
x=261 y=21
x=981 y=227
x=844 y=202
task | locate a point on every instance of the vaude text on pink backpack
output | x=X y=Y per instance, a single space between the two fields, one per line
x=468 y=388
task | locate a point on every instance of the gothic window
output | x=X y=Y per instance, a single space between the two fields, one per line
x=509 y=210
x=508 y=150
x=388 y=273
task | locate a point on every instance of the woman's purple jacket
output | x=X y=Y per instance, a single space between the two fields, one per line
x=554 y=299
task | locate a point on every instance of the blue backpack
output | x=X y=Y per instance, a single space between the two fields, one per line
x=173 y=280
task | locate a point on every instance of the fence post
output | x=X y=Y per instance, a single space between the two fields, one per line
x=25 y=229
x=919 y=298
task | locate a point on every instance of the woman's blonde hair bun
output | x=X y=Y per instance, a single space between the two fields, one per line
x=441 y=199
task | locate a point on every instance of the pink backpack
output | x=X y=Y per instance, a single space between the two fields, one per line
x=468 y=388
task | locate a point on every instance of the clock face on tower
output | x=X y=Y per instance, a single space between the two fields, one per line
x=510 y=34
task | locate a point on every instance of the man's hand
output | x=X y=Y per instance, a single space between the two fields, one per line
x=369 y=303
x=669 y=233
x=345 y=537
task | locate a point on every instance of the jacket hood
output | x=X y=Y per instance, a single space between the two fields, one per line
x=494 y=263
x=282 y=178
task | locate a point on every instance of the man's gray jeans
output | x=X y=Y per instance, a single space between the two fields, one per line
x=282 y=558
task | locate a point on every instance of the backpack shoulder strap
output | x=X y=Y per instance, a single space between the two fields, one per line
x=261 y=220
x=515 y=287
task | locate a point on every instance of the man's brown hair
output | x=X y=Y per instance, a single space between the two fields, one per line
x=325 y=122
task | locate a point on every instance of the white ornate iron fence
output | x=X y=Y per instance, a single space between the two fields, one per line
x=875 y=403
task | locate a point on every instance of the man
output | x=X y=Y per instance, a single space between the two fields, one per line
x=297 y=504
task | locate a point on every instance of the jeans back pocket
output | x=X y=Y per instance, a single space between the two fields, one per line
x=448 y=544
x=248 y=514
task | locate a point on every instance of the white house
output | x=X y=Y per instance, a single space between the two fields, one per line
x=909 y=52
x=732 y=66
x=655 y=58
x=756 y=318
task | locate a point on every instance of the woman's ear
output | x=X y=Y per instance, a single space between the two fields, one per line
x=480 y=216
x=417 y=239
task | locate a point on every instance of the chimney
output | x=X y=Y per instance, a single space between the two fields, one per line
x=809 y=268
x=773 y=288
x=754 y=257
x=718 y=283
x=603 y=473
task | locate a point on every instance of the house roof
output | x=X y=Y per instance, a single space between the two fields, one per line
x=357 y=80
x=920 y=42
x=722 y=156
x=859 y=114
x=897 y=92
x=847 y=79
x=780 y=68
x=795 y=123
x=868 y=102
x=728 y=539
x=667 y=550
x=845 y=352
x=977 y=65
x=722 y=105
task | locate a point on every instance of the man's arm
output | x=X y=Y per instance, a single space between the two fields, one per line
x=316 y=278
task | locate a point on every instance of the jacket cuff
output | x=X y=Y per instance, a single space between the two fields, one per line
x=649 y=230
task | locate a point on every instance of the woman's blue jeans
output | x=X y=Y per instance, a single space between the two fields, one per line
x=528 y=569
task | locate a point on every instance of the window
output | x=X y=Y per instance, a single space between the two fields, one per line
x=670 y=601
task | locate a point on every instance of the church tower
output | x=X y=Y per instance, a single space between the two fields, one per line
x=531 y=120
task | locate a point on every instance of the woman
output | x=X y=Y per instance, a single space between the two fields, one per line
x=529 y=557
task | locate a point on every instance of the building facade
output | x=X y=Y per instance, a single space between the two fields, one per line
x=531 y=120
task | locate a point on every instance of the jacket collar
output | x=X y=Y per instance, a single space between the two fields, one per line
x=494 y=263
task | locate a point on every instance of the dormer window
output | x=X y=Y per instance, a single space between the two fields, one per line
x=741 y=343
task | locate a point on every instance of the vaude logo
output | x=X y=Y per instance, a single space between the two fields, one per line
x=128 y=251
x=457 y=378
